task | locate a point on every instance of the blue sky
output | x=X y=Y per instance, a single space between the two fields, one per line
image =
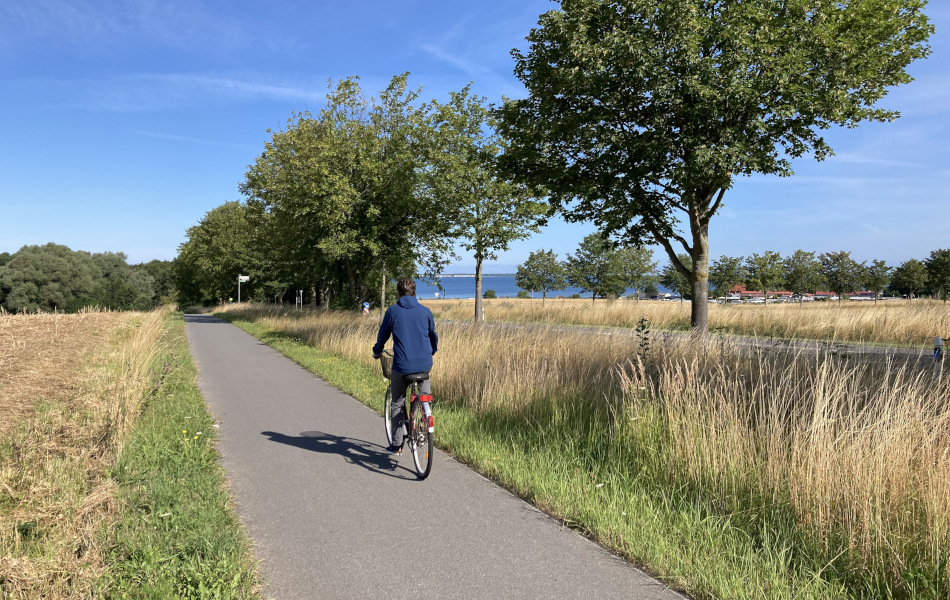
x=125 y=121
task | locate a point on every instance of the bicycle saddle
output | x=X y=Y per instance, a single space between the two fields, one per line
x=417 y=376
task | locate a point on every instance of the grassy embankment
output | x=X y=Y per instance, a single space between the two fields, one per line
x=727 y=472
x=891 y=322
x=102 y=493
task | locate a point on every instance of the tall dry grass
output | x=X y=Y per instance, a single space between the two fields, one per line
x=897 y=322
x=842 y=462
x=70 y=386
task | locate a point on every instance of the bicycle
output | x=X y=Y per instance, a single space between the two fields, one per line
x=419 y=424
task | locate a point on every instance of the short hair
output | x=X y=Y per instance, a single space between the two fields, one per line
x=406 y=287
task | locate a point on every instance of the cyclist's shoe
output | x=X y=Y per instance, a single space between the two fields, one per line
x=397 y=450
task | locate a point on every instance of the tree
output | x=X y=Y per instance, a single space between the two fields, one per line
x=542 y=272
x=163 y=278
x=726 y=273
x=841 y=272
x=764 y=272
x=484 y=211
x=876 y=277
x=596 y=267
x=938 y=272
x=214 y=254
x=641 y=114
x=673 y=279
x=48 y=278
x=339 y=198
x=802 y=273
x=910 y=277
x=5 y=258
x=638 y=267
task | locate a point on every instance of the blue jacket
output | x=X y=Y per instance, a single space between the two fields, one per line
x=414 y=338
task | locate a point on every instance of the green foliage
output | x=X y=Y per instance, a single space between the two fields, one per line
x=596 y=267
x=727 y=272
x=938 y=272
x=489 y=294
x=484 y=211
x=217 y=250
x=764 y=272
x=162 y=273
x=877 y=276
x=910 y=277
x=637 y=266
x=47 y=278
x=640 y=114
x=841 y=272
x=523 y=294
x=542 y=272
x=673 y=279
x=803 y=273
x=338 y=198
x=5 y=258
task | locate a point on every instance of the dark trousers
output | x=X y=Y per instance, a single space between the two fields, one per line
x=399 y=386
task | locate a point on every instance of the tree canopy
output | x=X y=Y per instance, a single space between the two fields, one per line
x=642 y=113
x=542 y=272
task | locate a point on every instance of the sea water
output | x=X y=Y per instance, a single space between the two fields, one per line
x=504 y=286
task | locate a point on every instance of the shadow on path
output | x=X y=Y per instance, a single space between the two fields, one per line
x=370 y=456
x=196 y=318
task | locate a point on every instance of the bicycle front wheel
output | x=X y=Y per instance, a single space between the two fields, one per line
x=421 y=446
x=388 y=415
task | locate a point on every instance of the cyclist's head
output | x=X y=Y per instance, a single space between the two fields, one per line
x=406 y=287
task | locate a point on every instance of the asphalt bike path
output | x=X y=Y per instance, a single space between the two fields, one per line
x=332 y=515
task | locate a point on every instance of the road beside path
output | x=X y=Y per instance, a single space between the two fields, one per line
x=332 y=515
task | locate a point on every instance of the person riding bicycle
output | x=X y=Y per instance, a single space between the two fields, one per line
x=414 y=342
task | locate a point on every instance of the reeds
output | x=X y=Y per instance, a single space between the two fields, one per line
x=843 y=463
x=897 y=322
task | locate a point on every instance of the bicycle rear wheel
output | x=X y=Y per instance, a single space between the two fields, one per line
x=387 y=415
x=421 y=440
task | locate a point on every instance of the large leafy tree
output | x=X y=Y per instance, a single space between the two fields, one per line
x=803 y=273
x=542 y=272
x=642 y=113
x=726 y=272
x=48 y=278
x=841 y=272
x=764 y=272
x=339 y=196
x=877 y=276
x=484 y=211
x=910 y=277
x=938 y=272
x=596 y=267
x=638 y=267
x=213 y=256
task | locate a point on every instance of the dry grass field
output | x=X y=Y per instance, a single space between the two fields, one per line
x=69 y=387
x=838 y=465
x=891 y=322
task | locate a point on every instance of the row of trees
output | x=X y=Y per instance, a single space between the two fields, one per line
x=605 y=270
x=597 y=267
x=342 y=202
x=54 y=278
x=640 y=116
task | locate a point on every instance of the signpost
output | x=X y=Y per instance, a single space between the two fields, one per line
x=241 y=278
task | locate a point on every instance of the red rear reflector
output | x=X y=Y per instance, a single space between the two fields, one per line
x=431 y=422
x=425 y=398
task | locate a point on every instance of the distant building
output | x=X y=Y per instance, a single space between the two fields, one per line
x=744 y=294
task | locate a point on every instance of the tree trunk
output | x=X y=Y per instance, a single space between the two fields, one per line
x=478 y=289
x=699 y=282
x=382 y=297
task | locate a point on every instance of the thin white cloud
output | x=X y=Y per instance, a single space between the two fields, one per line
x=167 y=91
x=192 y=140
x=110 y=22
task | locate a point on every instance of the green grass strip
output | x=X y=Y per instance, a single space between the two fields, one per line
x=560 y=464
x=177 y=535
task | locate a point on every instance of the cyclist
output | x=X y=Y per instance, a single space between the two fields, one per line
x=414 y=342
